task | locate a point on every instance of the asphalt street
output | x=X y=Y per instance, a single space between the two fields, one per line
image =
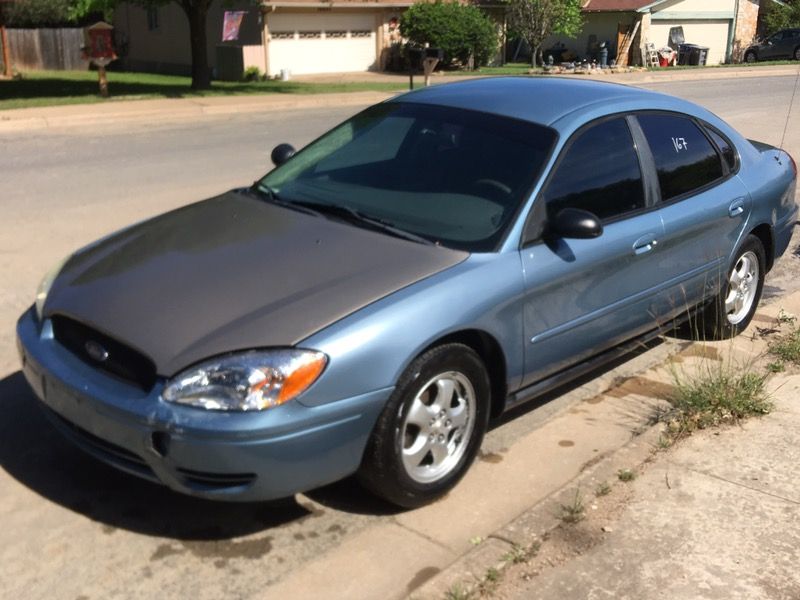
x=104 y=534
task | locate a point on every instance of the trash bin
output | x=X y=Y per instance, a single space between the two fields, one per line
x=692 y=54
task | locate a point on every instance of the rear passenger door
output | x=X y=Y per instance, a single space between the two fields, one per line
x=704 y=205
x=584 y=295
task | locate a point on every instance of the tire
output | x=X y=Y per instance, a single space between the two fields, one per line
x=796 y=53
x=445 y=435
x=750 y=57
x=732 y=310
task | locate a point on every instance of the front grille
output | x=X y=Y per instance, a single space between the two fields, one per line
x=122 y=361
x=106 y=449
x=216 y=480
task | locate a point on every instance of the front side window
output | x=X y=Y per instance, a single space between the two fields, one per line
x=452 y=176
x=599 y=173
x=685 y=159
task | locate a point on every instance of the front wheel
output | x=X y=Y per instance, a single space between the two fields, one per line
x=750 y=57
x=797 y=53
x=731 y=312
x=431 y=428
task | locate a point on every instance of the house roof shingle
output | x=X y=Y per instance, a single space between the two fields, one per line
x=614 y=5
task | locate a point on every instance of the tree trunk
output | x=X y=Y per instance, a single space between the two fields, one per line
x=534 y=56
x=197 y=11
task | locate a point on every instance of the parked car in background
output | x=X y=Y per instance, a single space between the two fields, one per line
x=375 y=299
x=781 y=44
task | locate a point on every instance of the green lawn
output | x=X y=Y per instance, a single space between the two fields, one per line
x=507 y=69
x=49 y=88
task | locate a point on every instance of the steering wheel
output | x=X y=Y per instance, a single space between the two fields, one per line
x=498 y=186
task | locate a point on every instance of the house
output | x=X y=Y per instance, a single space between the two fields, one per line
x=299 y=36
x=725 y=27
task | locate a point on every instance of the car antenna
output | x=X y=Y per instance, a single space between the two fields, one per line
x=789 y=114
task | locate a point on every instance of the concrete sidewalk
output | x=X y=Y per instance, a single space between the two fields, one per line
x=169 y=110
x=716 y=516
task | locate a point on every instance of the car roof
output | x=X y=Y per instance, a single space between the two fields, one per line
x=541 y=100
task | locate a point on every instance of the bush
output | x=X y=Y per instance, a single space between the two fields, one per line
x=252 y=73
x=460 y=30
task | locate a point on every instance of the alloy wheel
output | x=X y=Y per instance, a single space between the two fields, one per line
x=437 y=427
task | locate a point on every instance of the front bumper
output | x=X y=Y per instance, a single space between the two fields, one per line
x=217 y=455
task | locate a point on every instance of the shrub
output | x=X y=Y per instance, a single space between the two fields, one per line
x=459 y=30
x=251 y=73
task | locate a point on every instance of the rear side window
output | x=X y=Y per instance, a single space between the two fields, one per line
x=685 y=159
x=600 y=173
x=725 y=147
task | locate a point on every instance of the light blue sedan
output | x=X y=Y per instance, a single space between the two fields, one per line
x=374 y=300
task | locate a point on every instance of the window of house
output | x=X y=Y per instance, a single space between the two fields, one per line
x=685 y=159
x=600 y=173
x=152 y=18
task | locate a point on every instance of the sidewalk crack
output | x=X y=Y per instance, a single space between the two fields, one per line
x=742 y=485
x=425 y=537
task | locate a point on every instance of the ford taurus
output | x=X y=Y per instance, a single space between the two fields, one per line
x=377 y=297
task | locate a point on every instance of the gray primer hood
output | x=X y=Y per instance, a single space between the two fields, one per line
x=233 y=273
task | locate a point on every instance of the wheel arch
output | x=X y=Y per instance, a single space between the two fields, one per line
x=491 y=353
x=767 y=238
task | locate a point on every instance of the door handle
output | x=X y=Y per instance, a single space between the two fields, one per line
x=736 y=208
x=645 y=244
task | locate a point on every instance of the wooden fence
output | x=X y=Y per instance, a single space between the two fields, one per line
x=46 y=49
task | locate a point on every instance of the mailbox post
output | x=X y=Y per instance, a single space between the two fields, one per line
x=424 y=59
x=98 y=48
x=432 y=58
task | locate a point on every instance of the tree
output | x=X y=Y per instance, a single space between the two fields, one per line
x=536 y=20
x=38 y=13
x=781 y=17
x=196 y=12
x=459 y=30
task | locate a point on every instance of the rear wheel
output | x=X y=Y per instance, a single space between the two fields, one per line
x=797 y=53
x=731 y=312
x=431 y=428
x=750 y=57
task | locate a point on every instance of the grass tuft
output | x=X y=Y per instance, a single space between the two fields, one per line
x=574 y=511
x=717 y=394
x=602 y=489
x=786 y=347
x=626 y=475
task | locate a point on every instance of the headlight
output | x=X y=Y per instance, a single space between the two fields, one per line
x=46 y=284
x=247 y=381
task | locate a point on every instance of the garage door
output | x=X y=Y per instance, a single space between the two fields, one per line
x=712 y=34
x=321 y=43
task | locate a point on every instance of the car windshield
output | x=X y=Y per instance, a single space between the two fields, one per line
x=453 y=177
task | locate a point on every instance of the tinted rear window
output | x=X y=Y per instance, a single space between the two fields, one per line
x=725 y=147
x=685 y=159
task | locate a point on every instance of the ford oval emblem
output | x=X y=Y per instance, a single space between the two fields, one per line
x=96 y=351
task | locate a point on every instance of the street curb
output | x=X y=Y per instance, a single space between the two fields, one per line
x=178 y=110
x=468 y=573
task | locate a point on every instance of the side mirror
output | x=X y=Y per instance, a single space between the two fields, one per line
x=576 y=223
x=281 y=153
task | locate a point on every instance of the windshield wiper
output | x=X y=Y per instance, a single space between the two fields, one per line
x=267 y=193
x=354 y=216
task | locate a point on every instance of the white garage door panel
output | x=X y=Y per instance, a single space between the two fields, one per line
x=713 y=34
x=321 y=43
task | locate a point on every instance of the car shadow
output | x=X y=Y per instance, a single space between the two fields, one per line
x=573 y=384
x=37 y=456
